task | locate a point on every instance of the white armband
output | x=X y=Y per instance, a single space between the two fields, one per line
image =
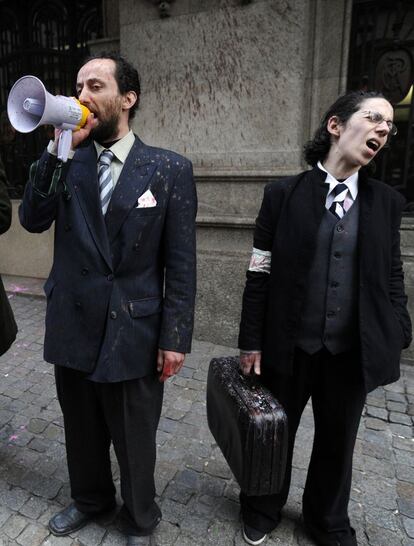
x=260 y=261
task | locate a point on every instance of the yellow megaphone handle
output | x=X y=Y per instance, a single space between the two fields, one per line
x=85 y=114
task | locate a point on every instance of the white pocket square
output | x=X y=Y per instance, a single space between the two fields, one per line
x=146 y=200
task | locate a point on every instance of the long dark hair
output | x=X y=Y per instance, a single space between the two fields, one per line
x=318 y=148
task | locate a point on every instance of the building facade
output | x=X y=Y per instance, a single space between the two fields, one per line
x=239 y=86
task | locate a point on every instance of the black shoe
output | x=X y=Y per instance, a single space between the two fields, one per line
x=68 y=520
x=253 y=536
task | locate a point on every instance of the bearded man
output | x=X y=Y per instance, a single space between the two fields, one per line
x=120 y=295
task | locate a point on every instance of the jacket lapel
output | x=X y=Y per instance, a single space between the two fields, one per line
x=84 y=178
x=366 y=194
x=135 y=177
x=312 y=209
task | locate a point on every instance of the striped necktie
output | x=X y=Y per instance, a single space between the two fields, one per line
x=337 y=208
x=105 y=178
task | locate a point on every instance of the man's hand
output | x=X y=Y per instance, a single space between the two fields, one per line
x=250 y=362
x=82 y=134
x=169 y=363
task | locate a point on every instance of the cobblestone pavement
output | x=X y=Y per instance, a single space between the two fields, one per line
x=196 y=492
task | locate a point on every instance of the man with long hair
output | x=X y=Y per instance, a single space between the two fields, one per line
x=324 y=309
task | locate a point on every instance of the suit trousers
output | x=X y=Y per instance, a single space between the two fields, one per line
x=335 y=385
x=127 y=413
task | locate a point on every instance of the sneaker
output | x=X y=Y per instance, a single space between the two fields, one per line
x=253 y=536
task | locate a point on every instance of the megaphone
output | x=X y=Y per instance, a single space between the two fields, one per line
x=29 y=105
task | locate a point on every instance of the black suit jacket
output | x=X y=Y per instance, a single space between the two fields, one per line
x=287 y=225
x=123 y=285
x=8 y=328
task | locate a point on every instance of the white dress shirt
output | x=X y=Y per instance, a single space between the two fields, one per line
x=351 y=182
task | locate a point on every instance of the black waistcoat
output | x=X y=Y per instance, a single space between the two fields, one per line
x=330 y=309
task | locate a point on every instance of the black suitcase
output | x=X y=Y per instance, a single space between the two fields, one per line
x=249 y=425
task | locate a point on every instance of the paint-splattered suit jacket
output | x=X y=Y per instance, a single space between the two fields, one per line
x=123 y=285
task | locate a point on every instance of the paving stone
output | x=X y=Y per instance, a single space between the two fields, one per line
x=172 y=511
x=388 y=519
x=406 y=507
x=400 y=418
x=53 y=432
x=227 y=510
x=166 y=534
x=398 y=407
x=404 y=457
x=178 y=492
x=396 y=397
x=36 y=484
x=378 y=413
x=370 y=464
x=376 y=424
x=34 y=507
x=188 y=540
x=113 y=538
x=404 y=472
x=220 y=533
x=395 y=387
x=401 y=430
x=5 y=513
x=196 y=492
x=13 y=498
x=91 y=535
x=33 y=534
x=406 y=444
x=409 y=526
x=37 y=426
x=194 y=525
x=14 y=526
x=59 y=541
x=195 y=506
x=38 y=444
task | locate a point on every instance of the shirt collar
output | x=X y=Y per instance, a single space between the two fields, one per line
x=120 y=149
x=351 y=181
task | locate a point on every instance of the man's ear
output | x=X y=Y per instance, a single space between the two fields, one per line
x=333 y=126
x=128 y=100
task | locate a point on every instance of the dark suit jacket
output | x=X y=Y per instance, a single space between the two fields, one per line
x=287 y=225
x=8 y=328
x=123 y=285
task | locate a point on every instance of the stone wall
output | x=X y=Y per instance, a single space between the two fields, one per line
x=238 y=89
x=25 y=254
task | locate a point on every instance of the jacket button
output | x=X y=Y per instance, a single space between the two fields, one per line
x=334 y=284
x=136 y=246
x=67 y=196
x=110 y=277
x=85 y=271
x=330 y=314
x=337 y=254
x=340 y=228
x=113 y=314
x=78 y=304
x=68 y=227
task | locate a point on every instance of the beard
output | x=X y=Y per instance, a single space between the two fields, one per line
x=106 y=129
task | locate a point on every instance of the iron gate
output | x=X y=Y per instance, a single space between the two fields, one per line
x=382 y=58
x=48 y=39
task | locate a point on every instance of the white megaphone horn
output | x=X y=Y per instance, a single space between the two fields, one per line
x=29 y=105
